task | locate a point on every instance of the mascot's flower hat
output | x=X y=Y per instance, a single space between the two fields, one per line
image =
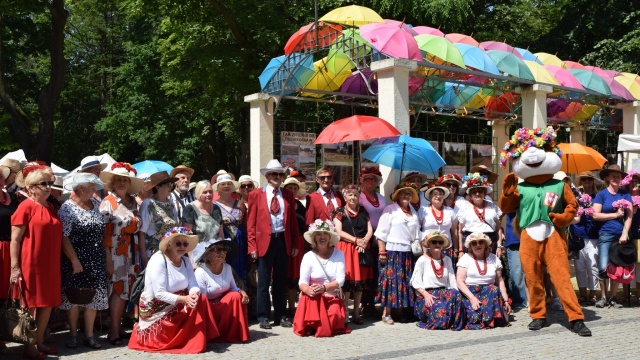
x=524 y=138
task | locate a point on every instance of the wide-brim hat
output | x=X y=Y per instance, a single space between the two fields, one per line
x=423 y=177
x=182 y=168
x=428 y=188
x=561 y=175
x=160 y=178
x=322 y=226
x=477 y=237
x=73 y=180
x=245 y=178
x=214 y=178
x=178 y=232
x=611 y=168
x=58 y=183
x=14 y=165
x=222 y=178
x=587 y=174
x=436 y=235
x=91 y=161
x=463 y=190
x=449 y=177
x=402 y=186
x=371 y=171
x=121 y=169
x=272 y=165
x=302 y=187
x=492 y=177
x=623 y=254
x=6 y=171
x=232 y=249
x=475 y=180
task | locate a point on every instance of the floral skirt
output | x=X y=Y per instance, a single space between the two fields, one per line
x=490 y=314
x=394 y=281
x=323 y=315
x=445 y=313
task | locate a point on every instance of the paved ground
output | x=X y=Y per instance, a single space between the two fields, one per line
x=615 y=332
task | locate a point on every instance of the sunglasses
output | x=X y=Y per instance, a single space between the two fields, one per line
x=450 y=185
x=181 y=244
x=246 y=186
x=475 y=243
x=437 y=242
x=45 y=183
x=326 y=177
x=476 y=192
x=276 y=174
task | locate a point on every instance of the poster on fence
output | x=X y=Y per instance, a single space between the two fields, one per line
x=455 y=155
x=339 y=158
x=481 y=155
x=297 y=150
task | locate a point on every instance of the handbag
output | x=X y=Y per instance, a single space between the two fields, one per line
x=416 y=247
x=16 y=323
x=364 y=258
x=338 y=291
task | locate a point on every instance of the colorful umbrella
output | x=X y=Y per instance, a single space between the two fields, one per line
x=323 y=79
x=476 y=58
x=152 y=167
x=306 y=36
x=562 y=109
x=456 y=38
x=298 y=69
x=402 y=25
x=591 y=81
x=439 y=50
x=564 y=77
x=350 y=42
x=361 y=82
x=540 y=74
x=405 y=153
x=586 y=112
x=574 y=65
x=433 y=90
x=510 y=64
x=528 y=55
x=499 y=45
x=355 y=128
x=352 y=15
x=457 y=94
x=577 y=158
x=630 y=84
x=630 y=76
x=550 y=59
x=618 y=89
x=338 y=62
x=601 y=72
x=391 y=40
x=503 y=103
x=427 y=30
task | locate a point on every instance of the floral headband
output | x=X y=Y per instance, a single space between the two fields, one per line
x=124 y=165
x=474 y=180
x=320 y=225
x=627 y=179
x=524 y=138
x=405 y=185
x=448 y=177
x=370 y=171
x=177 y=230
x=348 y=188
x=32 y=166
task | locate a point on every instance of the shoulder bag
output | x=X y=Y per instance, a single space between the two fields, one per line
x=338 y=291
x=16 y=323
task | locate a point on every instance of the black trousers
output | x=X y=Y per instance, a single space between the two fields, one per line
x=273 y=263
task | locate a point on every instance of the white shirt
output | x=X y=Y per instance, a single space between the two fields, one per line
x=326 y=200
x=473 y=276
x=397 y=229
x=311 y=272
x=215 y=286
x=277 y=221
x=374 y=212
x=429 y=223
x=425 y=278
x=471 y=222
x=162 y=281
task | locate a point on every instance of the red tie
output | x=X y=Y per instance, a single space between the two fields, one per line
x=275 y=204
x=329 y=202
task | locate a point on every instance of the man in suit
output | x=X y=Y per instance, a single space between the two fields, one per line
x=323 y=201
x=273 y=236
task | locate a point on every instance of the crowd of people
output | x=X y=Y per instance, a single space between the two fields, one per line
x=218 y=253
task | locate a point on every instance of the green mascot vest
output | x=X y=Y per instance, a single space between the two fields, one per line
x=537 y=201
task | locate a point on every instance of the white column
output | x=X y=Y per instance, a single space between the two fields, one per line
x=630 y=125
x=500 y=134
x=577 y=135
x=534 y=105
x=260 y=132
x=393 y=105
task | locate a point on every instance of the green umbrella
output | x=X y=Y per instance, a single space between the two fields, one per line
x=338 y=62
x=439 y=50
x=350 y=42
x=510 y=64
x=591 y=81
x=432 y=90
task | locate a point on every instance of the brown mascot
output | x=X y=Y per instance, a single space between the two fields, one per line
x=544 y=206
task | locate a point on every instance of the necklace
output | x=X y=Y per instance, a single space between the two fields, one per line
x=349 y=212
x=478 y=213
x=480 y=271
x=439 y=219
x=406 y=211
x=439 y=272
x=374 y=202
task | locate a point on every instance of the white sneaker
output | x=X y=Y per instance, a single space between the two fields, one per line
x=557 y=305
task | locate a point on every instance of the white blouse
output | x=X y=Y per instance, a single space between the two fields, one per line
x=374 y=212
x=425 y=278
x=429 y=223
x=470 y=221
x=397 y=229
x=473 y=276
x=162 y=281
x=311 y=272
x=215 y=286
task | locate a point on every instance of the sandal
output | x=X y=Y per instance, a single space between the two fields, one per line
x=72 y=342
x=92 y=343
x=115 y=342
x=387 y=320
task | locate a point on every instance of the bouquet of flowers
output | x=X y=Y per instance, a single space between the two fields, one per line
x=585 y=205
x=621 y=204
x=635 y=200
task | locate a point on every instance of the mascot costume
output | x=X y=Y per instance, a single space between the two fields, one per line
x=544 y=206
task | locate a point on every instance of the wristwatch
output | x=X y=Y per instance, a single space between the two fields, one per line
x=501 y=247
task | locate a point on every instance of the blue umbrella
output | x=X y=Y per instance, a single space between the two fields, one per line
x=457 y=94
x=404 y=152
x=152 y=166
x=476 y=58
x=528 y=55
x=298 y=68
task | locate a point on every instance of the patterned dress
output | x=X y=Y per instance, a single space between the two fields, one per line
x=232 y=226
x=163 y=217
x=122 y=224
x=85 y=229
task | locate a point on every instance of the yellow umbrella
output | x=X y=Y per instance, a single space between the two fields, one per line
x=630 y=75
x=540 y=73
x=629 y=84
x=586 y=112
x=323 y=79
x=478 y=101
x=549 y=59
x=352 y=15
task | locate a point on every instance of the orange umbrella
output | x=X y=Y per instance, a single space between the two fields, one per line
x=306 y=37
x=577 y=158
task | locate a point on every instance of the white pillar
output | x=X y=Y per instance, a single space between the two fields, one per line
x=261 y=132
x=577 y=135
x=534 y=105
x=630 y=125
x=393 y=105
x=500 y=134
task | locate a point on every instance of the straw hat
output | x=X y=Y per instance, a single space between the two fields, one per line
x=475 y=180
x=435 y=235
x=449 y=177
x=14 y=165
x=125 y=170
x=561 y=175
x=407 y=185
x=477 y=237
x=221 y=178
x=159 y=178
x=181 y=168
x=302 y=187
x=428 y=188
x=483 y=170
x=273 y=165
x=6 y=171
x=322 y=226
x=80 y=178
x=423 y=177
x=612 y=168
x=58 y=183
x=178 y=232
x=91 y=161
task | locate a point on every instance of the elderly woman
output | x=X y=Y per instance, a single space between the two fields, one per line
x=321 y=311
x=247 y=185
x=36 y=245
x=613 y=223
x=293 y=269
x=119 y=241
x=203 y=217
x=479 y=278
x=480 y=215
x=397 y=229
x=355 y=230
x=83 y=266
x=452 y=182
x=233 y=217
x=228 y=303
x=8 y=205
x=437 y=216
x=438 y=303
x=174 y=316
x=158 y=213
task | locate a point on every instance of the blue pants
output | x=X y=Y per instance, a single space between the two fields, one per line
x=516 y=277
x=604 y=243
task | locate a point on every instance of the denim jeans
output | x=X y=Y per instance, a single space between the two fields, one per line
x=604 y=243
x=517 y=287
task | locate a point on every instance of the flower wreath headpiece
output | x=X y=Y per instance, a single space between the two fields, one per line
x=177 y=230
x=118 y=167
x=448 y=177
x=627 y=179
x=524 y=138
x=474 y=180
x=320 y=225
x=370 y=171
x=406 y=184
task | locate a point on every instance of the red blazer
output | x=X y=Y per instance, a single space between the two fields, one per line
x=259 y=223
x=317 y=209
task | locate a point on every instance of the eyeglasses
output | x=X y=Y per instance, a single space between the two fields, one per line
x=45 y=183
x=476 y=192
x=181 y=244
x=476 y=243
x=246 y=186
x=450 y=185
x=437 y=242
x=219 y=249
x=326 y=177
x=276 y=174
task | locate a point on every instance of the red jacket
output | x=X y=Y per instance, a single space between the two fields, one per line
x=317 y=209
x=259 y=223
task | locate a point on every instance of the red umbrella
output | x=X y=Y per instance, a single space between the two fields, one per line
x=327 y=34
x=461 y=38
x=574 y=65
x=354 y=128
x=503 y=103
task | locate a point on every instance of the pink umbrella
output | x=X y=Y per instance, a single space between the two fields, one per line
x=461 y=38
x=617 y=89
x=564 y=77
x=502 y=46
x=402 y=25
x=415 y=84
x=427 y=30
x=598 y=71
x=574 y=65
x=391 y=40
x=612 y=73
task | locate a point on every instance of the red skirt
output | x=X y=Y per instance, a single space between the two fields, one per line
x=352 y=268
x=326 y=315
x=179 y=332
x=231 y=318
x=293 y=269
x=5 y=268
